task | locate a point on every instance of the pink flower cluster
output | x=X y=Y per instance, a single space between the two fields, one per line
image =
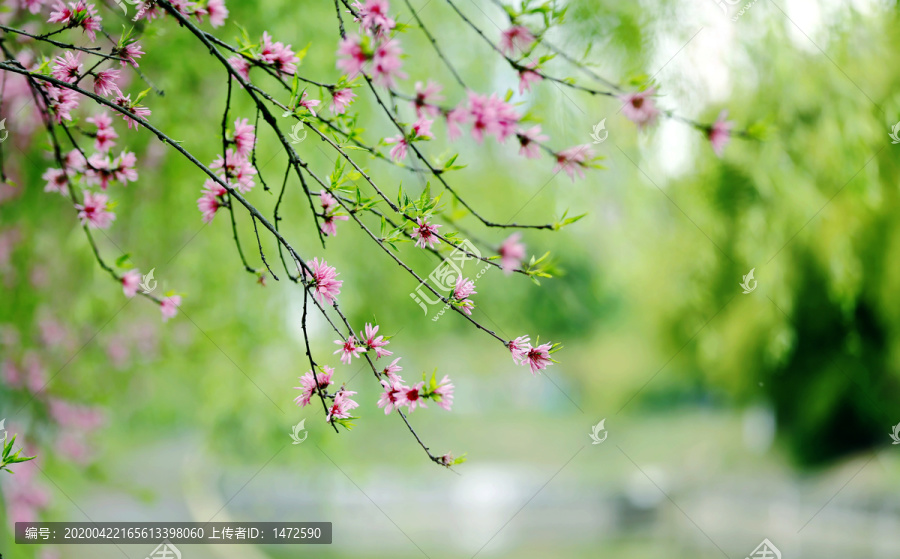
x=489 y=116
x=323 y=280
x=396 y=394
x=374 y=52
x=368 y=340
x=235 y=169
x=215 y=9
x=330 y=215
x=538 y=358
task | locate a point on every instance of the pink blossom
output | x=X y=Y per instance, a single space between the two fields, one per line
x=309 y=104
x=492 y=116
x=33 y=6
x=528 y=77
x=217 y=12
x=56 y=180
x=572 y=160
x=77 y=14
x=105 y=132
x=412 y=396
x=351 y=56
x=426 y=97
x=329 y=224
x=422 y=128
x=241 y=66
x=342 y=405
x=67 y=68
x=464 y=288
x=327 y=201
x=35 y=372
x=341 y=99
x=349 y=349
x=375 y=342
x=236 y=167
x=444 y=391
x=169 y=307
x=512 y=253
x=244 y=138
x=373 y=17
x=719 y=133
x=278 y=55
x=210 y=200
x=75 y=160
x=94 y=212
x=398 y=152
x=76 y=416
x=640 y=108
x=455 y=117
x=391 y=371
x=425 y=233
x=308 y=385
x=392 y=397
x=133 y=108
x=130 y=53
x=324 y=281
x=99 y=170
x=516 y=38
x=123 y=168
x=529 y=142
x=74 y=448
x=519 y=348
x=131 y=281
x=11 y=373
x=539 y=357
x=386 y=63
x=150 y=10
x=105 y=82
x=62 y=102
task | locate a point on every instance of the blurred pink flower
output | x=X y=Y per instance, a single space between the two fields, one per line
x=516 y=40
x=131 y=280
x=720 y=133
x=169 y=307
x=572 y=160
x=94 y=211
x=640 y=108
x=341 y=99
x=512 y=253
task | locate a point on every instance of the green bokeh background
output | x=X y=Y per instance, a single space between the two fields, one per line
x=688 y=372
